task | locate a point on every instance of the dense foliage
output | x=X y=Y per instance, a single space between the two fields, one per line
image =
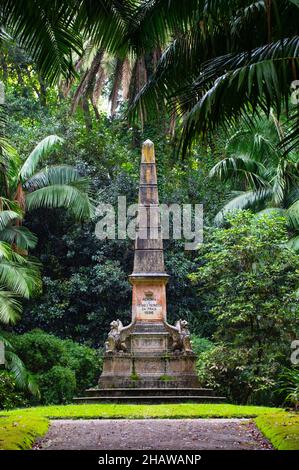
x=212 y=84
x=250 y=280
x=10 y=397
x=62 y=368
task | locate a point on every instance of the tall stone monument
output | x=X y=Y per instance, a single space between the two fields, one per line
x=149 y=352
x=149 y=358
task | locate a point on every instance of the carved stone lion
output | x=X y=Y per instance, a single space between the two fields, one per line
x=180 y=335
x=117 y=335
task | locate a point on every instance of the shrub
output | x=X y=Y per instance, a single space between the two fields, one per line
x=39 y=351
x=9 y=396
x=53 y=359
x=85 y=362
x=289 y=386
x=236 y=374
x=200 y=345
x=58 y=385
x=249 y=278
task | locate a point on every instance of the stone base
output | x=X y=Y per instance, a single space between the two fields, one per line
x=149 y=370
x=149 y=361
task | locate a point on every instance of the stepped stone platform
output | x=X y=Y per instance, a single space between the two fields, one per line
x=149 y=395
x=149 y=371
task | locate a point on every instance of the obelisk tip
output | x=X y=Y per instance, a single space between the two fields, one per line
x=148 y=142
x=148 y=152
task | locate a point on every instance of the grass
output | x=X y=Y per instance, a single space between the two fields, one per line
x=19 y=432
x=19 y=428
x=282 y=429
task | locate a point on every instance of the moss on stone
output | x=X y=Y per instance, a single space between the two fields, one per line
x=166 y=378
x=134 y=376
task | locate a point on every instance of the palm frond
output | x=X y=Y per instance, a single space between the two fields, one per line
x=43 y=148
x=290 y=142
x=19 y=236
x=6 y=217
x=23 y=378
x=293 y=215
x=235 y=85
x=105 y=22
x=5 y=250
x=10 y=308
x=66 y=196
x=241 y=170
x=244 y=200
x=47 y=30
x=23 y=280
x=285 y=179
x=258 y=143
x=293 y=243
x=56 y=175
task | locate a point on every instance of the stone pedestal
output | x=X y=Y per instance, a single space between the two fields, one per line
x=149 y=361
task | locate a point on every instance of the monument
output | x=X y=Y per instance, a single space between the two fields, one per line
x=149 y=359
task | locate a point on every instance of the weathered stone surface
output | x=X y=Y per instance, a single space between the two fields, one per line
x=147 y=261
x=149 y=369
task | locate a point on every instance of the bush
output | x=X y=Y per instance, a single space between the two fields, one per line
x=85 y=362
x=200 y=345
x=289 y=386
x=54 y=360
x=249 y=278
x=58 y=385
x=39 y=351
x=9 y=397
x=236 y=374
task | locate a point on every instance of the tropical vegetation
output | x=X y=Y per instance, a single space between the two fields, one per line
x=215 y=85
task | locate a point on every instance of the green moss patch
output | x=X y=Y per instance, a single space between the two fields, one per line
x=282 y=429
x=18 y=432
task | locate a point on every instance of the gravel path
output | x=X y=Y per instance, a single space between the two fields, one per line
x=153 y=434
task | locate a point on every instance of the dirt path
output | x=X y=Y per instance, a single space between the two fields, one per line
x=147 y=434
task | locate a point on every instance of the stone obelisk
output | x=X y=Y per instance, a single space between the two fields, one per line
x=148 y=278
x=149 y=352
x=149 y=360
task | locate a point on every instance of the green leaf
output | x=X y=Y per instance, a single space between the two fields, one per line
x=10 y=308
x=43 y=148
x=20 y=236
x=293 y=214
x=65 y=196
x=7 y=217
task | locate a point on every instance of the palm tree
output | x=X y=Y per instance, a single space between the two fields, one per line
x=49 y=187
x=51 y=31
x=19 y=278
x=223 y=60
x=19 y=275
x=25 y=188
x=265 y=179
x=125 y=73
x=23 y=379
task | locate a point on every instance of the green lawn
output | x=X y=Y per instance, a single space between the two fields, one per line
x=19 y=428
